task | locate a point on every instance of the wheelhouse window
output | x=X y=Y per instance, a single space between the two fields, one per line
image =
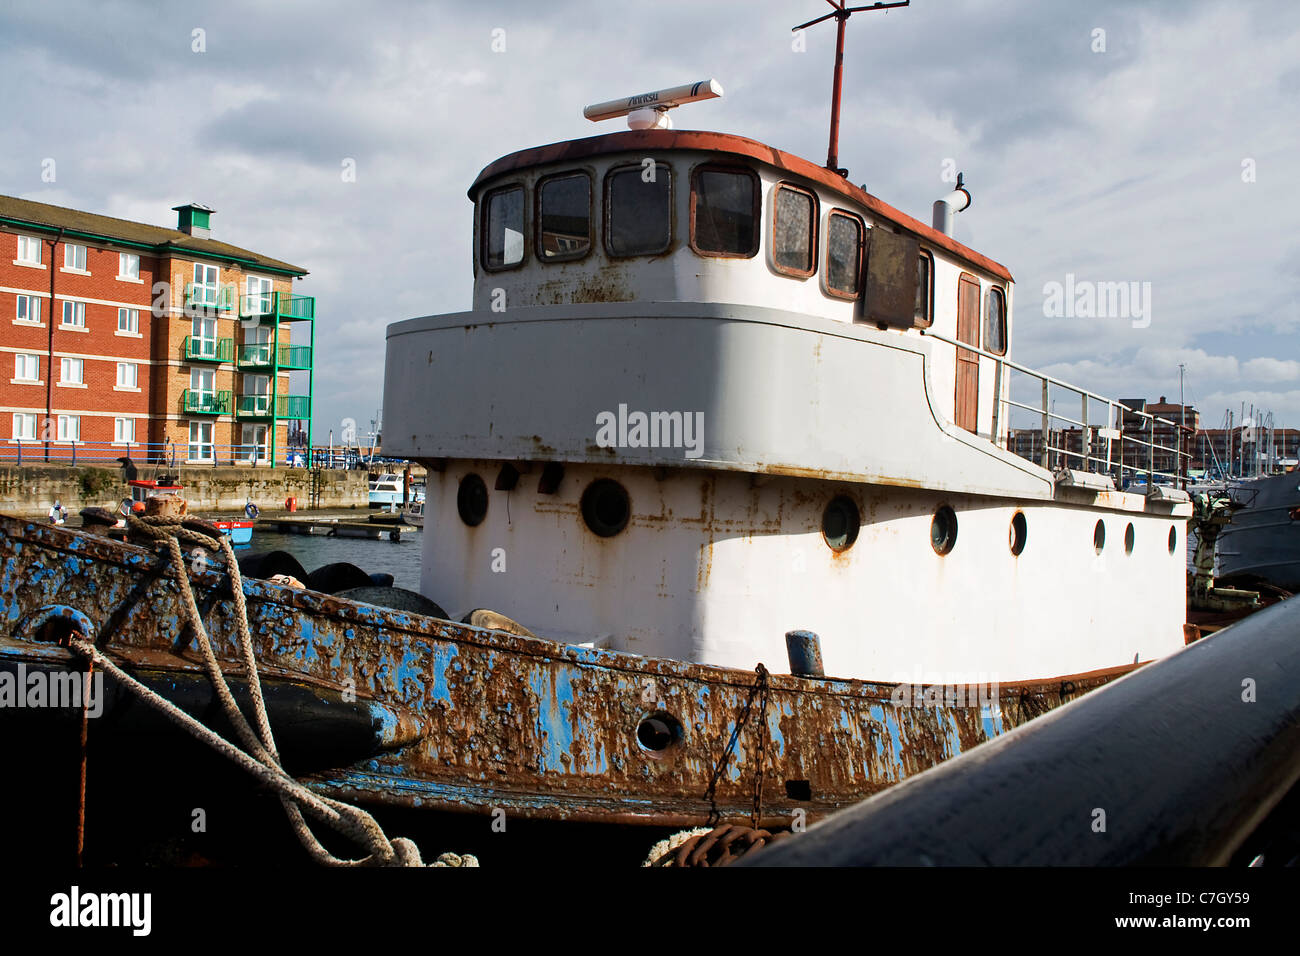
x=503 y=228
x=924 y=291
x=843 y=254
x=995 y=322
x=724 y=211
x=639 y=210
x=794 y=231
x=564 y=217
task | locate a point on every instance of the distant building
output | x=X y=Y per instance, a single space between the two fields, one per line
x=160 y=342
x=1245 y=449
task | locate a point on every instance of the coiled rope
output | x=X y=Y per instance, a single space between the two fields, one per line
x=260 y=757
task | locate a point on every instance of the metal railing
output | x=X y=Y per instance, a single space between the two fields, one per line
x=260 y=355
x=198 y=349
x=205 y=403
x=284 y=305
x=1108 y=438
x=286 y=406
x=90 y=453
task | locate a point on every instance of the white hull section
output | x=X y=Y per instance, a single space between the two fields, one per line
x=715 y=566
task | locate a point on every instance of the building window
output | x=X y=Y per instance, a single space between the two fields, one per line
x=564 y=217
x=924 y=313
x=71 y=371
x=843 y=254
x=200 y=441
x=29 y=250
x=794 y=231
x=724 y=211
x=639 y=210
x=29 y=309
x=25 y=426
x=128 y=320
x=257 y=394
x=995 y=322
x=69 y=428
x=206 y=287
x=128 y=266
x=126 y=374
x=258 y=298
x=123 y=430
x=203 y=382
x=74 y=314
x=503 y=228
x=27 y=367
x=203 y=340
x=254 y=442
x=74 y=257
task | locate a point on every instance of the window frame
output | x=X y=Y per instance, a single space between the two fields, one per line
x=862 y=245
x=198 y=374
x=63 y=319
x=485 y=207
x=988 y=298
x=538 y=187
x=608 y=210
x=135 y=375
x=133 y=328
x=191 y=444
x=23 y=358
x=117 y=429
x=714 y=166
x=67 y=362
x=40 y=252
x=33 y=303
x=14 y=430
x=61 y=432
x=68 y=249
x=122 y=259
x=214 y=286
x=929 y=295
x=813 y=232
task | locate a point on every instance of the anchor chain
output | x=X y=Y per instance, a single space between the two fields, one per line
x=758 y=689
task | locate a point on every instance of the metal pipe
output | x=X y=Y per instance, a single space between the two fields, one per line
x=1177 y=763
x=945 y=208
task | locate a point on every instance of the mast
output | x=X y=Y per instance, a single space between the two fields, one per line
x=841 y=14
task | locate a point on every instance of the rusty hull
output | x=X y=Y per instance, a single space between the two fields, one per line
x=483 y=719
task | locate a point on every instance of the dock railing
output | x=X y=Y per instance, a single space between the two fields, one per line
x=1108 y=438
x=142 y=454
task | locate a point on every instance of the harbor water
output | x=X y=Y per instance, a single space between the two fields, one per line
x=401 y=559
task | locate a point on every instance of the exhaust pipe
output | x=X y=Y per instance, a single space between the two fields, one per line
x=951 y=204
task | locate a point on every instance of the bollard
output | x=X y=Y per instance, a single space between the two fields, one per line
x=804 y=649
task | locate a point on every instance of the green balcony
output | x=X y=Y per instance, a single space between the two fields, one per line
x=200 y=298
x=260 y=355
x=205 y=403
x=208 y=350
x=284 y=306
x=286 y=406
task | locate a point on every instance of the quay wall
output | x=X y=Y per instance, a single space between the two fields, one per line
x=27 y=490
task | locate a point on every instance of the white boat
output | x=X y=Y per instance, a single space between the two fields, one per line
x=413 y=513
x=709 y=392
x=386 y=492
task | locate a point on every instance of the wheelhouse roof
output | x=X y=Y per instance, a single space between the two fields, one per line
x=661 y=139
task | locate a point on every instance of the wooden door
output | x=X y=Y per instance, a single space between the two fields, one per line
x=968 y=363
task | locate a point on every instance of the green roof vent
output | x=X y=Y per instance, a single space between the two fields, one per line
x=193 y=219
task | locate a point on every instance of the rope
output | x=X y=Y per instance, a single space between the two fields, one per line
x=260 y=757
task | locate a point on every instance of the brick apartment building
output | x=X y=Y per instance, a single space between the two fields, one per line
x=158 y=344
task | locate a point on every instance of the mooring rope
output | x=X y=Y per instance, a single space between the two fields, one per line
x=261 y=760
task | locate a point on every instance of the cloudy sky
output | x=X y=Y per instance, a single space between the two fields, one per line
x=1165 y=150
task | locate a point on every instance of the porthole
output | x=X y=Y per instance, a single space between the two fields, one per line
x=658 y=732
x=943 y=530
x=1019 y=533
x=606 y=507
x=472 y=500
x=1099 y=536
x=1129 y=537
x=840 y=523
x=1173 y=540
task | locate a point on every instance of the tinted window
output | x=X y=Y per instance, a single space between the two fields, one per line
x=995 y=322
x=923 y=285
x=844 y=255
x=564 y=217
x=723 y=212
x=503 y=228
x=792 y=233
x=639 y=209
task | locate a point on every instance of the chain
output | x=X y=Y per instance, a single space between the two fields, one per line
x=759 y=686
x=761 y=769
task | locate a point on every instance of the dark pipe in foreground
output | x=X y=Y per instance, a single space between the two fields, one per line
x=1177 y=763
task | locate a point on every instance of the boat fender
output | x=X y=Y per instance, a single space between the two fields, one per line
x=251 y=510
x=381 y=580
x=394 y=535
x=482 y=617
x=336 y=577
x=397 y=599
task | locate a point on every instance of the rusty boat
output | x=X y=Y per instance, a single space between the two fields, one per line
x=715 y=409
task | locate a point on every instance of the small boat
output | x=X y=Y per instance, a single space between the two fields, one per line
x=386 y=492
x=413 y=513
x=239 y=530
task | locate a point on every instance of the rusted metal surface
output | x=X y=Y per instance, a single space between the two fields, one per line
x=485 y=719
x=658 y=139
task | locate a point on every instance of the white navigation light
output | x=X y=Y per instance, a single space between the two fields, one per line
x=650 y=110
